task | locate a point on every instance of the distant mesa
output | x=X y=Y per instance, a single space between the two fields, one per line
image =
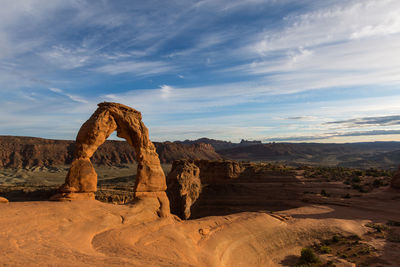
x=31 y=152
x=247 y=142
x=81 y=180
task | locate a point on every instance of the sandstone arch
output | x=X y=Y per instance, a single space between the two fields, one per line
x=81 y=180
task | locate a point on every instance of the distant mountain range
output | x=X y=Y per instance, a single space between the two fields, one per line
x=17 y=152
x=358 y=155
x=22 y=152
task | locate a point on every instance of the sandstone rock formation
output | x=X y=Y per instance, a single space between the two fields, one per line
x=184 y=187
x=227 y=187
x=211 y=171
x=396 y=180
x=3 y=200
x=186 y=178
x=81 y=180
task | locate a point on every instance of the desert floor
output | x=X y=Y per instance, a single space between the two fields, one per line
x=363 y=229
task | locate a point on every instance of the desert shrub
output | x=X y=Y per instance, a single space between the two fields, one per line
x=358 y=173
x=325 y=249
x=355 y=180
x=374 y=172
x=378 y=227
x=365 y=251
x=307 y=257
x=360 y=188
x=335 y=238
x=377 y=183
x=346 y=196
x=324 y=193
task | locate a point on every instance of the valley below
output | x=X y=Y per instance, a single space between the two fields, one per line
x=259 y=213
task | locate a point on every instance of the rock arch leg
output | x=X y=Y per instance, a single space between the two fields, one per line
x=81 y=179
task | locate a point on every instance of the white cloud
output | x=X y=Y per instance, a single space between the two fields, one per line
x=166 y=91
x=349 y=44
x=75 y=98
x=135 y=67
x=56 y=90
x=66 y=58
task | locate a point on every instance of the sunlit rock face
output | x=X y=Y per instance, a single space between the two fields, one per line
x=81 y=180
x=3 y=200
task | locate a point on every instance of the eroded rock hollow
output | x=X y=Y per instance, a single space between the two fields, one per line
x=81 y=180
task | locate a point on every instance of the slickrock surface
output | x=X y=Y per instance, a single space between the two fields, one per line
x=184 y=187
x=81 y=180
x=91 y=233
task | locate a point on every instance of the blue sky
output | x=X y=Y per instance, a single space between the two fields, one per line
x=270 y=70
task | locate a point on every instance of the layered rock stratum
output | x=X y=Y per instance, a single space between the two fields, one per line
x=28 y=152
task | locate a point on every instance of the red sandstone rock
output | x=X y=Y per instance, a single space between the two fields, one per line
x=82 y=178
x=211 y=171
x=3 y=200
x=184 y=187
x=396 y=180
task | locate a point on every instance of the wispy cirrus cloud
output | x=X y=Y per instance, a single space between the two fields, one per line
x=331 y=136
x=135 y=67
x=259 y=67
x=75 y=98
x=367 y=121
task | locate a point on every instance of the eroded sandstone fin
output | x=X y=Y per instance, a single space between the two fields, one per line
x=109 y=117
x=184 y=187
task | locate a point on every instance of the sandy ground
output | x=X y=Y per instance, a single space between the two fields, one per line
x=92 y=233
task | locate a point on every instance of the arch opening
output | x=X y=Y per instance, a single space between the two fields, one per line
x=81 y=180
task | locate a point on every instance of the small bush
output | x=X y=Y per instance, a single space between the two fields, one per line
x=325 y=249
x=356 y=179
x=377 y=183
x=307 y=257
x=347 y=196
x=335 y=238
x=324 y=193
x=378 y=227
